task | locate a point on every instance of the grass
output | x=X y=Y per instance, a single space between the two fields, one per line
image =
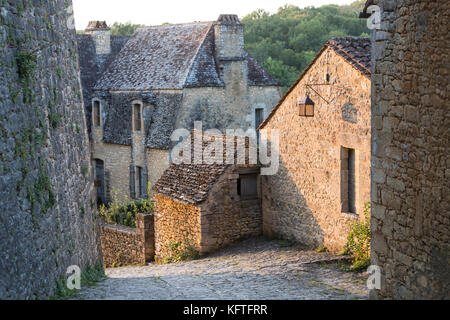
x=89 y=277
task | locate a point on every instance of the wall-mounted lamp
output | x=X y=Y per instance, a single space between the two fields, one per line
x=306 y=107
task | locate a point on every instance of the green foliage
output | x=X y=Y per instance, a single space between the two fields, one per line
x=89 y=277
x=123 y=29
x=358 y=241
x=286 y=42
x=181 y=252
x=26 y=65
x=123 y=212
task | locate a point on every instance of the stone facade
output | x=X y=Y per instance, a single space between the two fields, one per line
x=123 y=245
x=201 y=73
x=307 y=200
x=48 y=220
x=410 y=138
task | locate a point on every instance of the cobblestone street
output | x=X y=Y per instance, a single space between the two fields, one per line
x=253 y=269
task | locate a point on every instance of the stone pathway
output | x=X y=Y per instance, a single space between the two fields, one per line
x=253 y=269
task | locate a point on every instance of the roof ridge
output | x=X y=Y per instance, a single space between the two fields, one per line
x=175 y=24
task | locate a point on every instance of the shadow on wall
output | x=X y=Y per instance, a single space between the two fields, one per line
x=286 y=214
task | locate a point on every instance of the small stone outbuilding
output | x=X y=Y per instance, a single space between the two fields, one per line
x=207 y=205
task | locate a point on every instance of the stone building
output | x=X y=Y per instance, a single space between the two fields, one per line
x=138 y=90
x=47 y=196
x=323 y=180
x=410 y=143
x=207 y=205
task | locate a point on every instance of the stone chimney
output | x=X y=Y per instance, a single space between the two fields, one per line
x=101 y=35
x=229 y=37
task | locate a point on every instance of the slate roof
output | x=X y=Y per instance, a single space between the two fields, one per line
x=356 y=51
x=172 y=56
x=191 y=183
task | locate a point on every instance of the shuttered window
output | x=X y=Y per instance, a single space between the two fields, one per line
x=247 y=186
x=348 y=180
x=97 y=117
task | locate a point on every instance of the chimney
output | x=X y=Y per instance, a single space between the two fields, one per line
x=101 y=35
x=229 y=37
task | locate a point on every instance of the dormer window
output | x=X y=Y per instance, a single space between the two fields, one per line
x=137 y=115
x=97 y=114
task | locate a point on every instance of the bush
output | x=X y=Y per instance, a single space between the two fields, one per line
x=181 y=252
x=122 y=211
x=358 y=241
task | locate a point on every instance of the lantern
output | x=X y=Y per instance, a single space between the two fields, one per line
x=306 y=107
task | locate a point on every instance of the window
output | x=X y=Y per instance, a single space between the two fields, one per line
x=100 y=181
x=348 y=180
x=139 y=182
x=137 y=117
x=247 y=186
x=97 y=117
x=259 y=117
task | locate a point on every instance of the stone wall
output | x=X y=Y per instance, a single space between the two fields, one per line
x=48 y=220
x=157 y=162
x=302 y=202
x=175 y=222
x=123 y=245
x=410 y=139
x=225 y=218
x=231 y=107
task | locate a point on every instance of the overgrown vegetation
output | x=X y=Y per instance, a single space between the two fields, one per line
x=89 y=277
x=358 y=241
x=181 y=252
x=286 y=42
x=26 y=65
x=123 y=211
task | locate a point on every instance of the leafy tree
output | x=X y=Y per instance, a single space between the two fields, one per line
x=123 y=29
x=287 y=41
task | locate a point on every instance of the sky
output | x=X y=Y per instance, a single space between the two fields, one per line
x=155 y=12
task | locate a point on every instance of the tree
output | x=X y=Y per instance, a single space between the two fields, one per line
x=123 y=29
x=287 y=41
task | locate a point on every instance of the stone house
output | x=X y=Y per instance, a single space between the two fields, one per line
x=323 y=179
x=139 y=89
x=410 y=154
x=208 y=205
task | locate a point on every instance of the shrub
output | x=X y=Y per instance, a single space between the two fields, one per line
x=181 y=252
x=358 y=241
x=122 y=211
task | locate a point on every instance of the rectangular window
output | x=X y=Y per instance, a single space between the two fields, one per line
x=137 y=117
x=139 y=176
x=348 y=180
x=97 y=118
x=247 y=186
